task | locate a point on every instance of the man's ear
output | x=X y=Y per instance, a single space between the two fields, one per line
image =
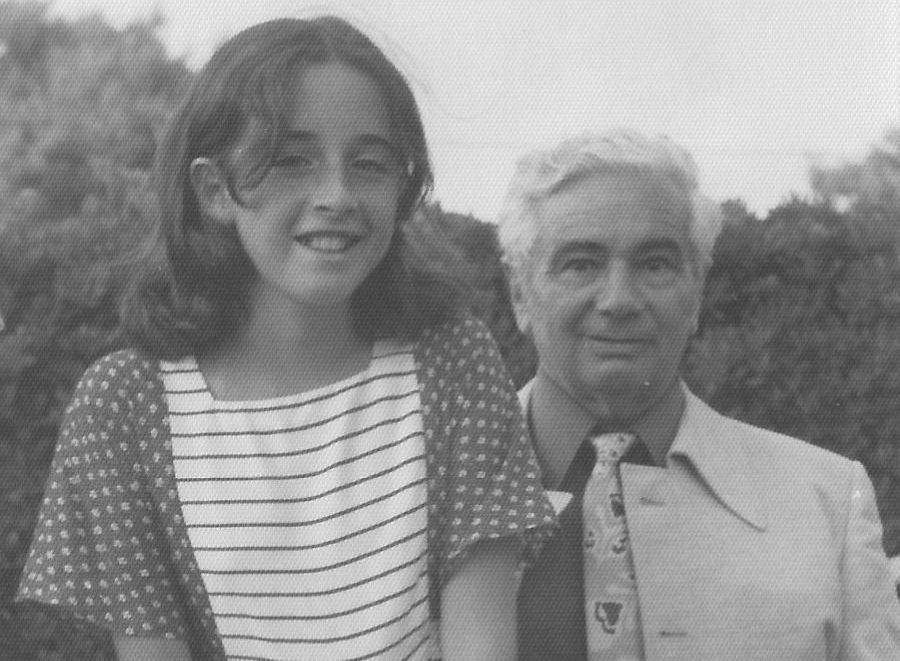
x=697 y=305
x=211 y=189
x=519 y=299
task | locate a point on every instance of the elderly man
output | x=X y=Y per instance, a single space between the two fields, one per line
x=687 y=535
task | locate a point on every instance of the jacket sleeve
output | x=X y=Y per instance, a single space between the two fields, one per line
x=484 y=480
x=99 y=549
x=871 y=606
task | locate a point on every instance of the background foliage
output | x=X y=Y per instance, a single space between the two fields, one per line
x=800 y=327
x=80 y=106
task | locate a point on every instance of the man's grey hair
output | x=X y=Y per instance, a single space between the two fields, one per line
x=542 y=173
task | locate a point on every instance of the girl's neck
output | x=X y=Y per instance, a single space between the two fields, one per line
x=284 y=348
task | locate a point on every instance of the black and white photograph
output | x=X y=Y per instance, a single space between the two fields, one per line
x=475 y=330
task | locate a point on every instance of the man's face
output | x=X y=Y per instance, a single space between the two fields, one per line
x=610 y=294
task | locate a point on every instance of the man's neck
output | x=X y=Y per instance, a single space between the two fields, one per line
x=559 y=423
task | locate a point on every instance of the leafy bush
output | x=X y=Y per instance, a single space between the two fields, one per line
x=80 y=105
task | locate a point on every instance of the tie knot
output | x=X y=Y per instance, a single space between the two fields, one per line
x=609 y=448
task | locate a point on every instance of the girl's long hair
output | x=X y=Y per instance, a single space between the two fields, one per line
x=191 y=292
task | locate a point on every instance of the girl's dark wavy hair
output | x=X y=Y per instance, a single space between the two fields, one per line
x=191 y=292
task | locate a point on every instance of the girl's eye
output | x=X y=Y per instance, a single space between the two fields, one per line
x=374 y=165
x=370 y=165
x=293 y=161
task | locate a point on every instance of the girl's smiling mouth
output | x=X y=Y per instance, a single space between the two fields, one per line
x=328 y=241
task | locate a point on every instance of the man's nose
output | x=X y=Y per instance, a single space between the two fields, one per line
x=617 y=293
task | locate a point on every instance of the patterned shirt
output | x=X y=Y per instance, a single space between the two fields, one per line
x=112 y=543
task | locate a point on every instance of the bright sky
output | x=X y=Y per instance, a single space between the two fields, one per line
x=755 y=89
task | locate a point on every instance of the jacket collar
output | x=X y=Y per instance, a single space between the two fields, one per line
x=718 y=448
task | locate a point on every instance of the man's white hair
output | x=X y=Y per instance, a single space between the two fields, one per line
x=541 y=173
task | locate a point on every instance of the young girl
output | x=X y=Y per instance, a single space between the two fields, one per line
x=311 y=455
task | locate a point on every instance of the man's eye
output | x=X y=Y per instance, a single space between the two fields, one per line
x=658 y=263
x=660 y=270
x=578 y=271
x=580 y=265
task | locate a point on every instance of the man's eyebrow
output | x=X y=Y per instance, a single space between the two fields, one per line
x=577 y=247
x=581 y=246
x=667 y=244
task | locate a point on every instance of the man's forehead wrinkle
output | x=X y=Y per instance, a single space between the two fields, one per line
x=579 y=246
x=580 y=227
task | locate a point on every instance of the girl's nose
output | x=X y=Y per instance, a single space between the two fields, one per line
x=616 y=294
x=333 y=193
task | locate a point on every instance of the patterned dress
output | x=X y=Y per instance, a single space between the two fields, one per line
x=117 y=539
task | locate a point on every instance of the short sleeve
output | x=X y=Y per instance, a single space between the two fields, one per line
x=99 y=549
x=484 y=480
x=872 y=611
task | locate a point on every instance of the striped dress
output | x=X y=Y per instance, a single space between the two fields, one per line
x=307 y=514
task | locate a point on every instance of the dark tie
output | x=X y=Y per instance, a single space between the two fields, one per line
x=551 y=598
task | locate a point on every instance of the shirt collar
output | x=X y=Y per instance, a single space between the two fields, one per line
x=559 y=424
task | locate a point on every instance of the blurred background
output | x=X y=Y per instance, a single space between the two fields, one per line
x=800 y=328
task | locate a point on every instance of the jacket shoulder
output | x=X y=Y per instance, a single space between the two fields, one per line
x=118 y=382
x=789 y=456
x=453 y=344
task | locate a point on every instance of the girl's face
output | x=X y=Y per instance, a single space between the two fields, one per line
x=324 y=215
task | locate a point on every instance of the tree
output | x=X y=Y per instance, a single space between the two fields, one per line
x=869 y=190
x=81 y=105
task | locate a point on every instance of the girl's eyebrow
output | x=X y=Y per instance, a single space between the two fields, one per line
x=371 y=139
x=366 y=139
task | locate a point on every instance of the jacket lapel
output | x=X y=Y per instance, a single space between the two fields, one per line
x=721 y=453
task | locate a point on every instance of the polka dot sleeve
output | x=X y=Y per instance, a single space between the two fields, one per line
x=484 y=474
x=98 y=549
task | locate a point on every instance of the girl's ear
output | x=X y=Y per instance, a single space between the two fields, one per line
x=211 y=188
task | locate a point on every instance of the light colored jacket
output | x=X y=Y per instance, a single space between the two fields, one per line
x=752 y=545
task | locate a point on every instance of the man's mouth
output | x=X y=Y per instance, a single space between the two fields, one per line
x=328 y=242
x=619 y=340
x=613 y=345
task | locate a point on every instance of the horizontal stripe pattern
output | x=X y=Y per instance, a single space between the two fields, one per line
x=307 y=514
